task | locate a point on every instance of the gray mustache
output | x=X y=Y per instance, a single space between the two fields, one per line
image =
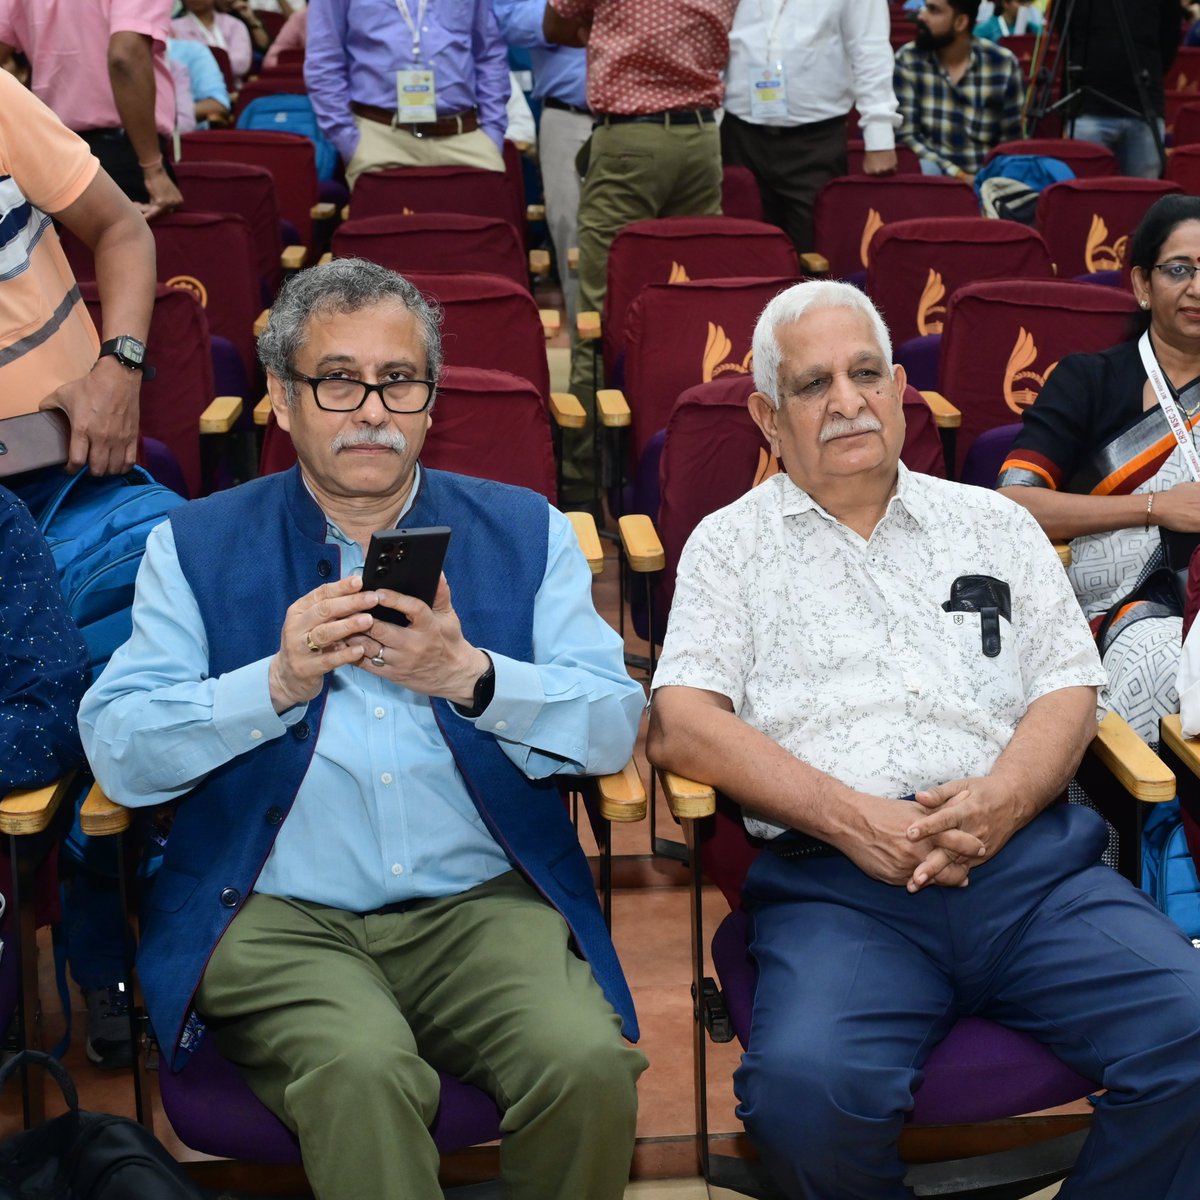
x=841 y=426
x=392 y=439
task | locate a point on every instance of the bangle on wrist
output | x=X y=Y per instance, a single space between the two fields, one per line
x=1149 y=509
x=152 y=164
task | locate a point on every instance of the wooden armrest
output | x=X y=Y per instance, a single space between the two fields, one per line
x=587 y=326
x=613 y=408
x=292 y=258
x=584 y=525
x=812 y=263
x=535 y=212
x=622 y=796
x=327 y=257
x=260 y=322
x=551 y=321
x=326 y=211
x=572 y=258
x=688 y=800
x=1186 y=749
x=220 y=415
x=539 y=262
x=945 y=415
x=640 y=541
x=262 y=411
x=100 y=816
x=1063 y=550
x=1131 y=762
x=566 y=411
x=30 y=810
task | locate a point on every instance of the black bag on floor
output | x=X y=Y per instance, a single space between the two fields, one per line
x=86 y=1155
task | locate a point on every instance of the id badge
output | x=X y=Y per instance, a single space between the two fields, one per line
x=416 y=98
x=768 y=91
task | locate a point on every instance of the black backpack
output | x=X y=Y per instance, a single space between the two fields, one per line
x=86 y=1155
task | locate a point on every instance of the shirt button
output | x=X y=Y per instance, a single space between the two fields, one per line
x=256 y=734
x=386 y=777
x=274 y=815
x=397 y=869
x=501 y=725
x=324 y=568
x=301 y=731
x=379 y=712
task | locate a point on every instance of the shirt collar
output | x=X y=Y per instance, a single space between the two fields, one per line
x=334 y=533
x=907 y=498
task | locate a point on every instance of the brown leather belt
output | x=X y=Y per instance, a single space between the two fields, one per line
x=451 y=126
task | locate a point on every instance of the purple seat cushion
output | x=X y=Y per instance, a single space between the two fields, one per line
x=212 y=1109
x=919 y=358
x=987 y=454
x=980 y=1072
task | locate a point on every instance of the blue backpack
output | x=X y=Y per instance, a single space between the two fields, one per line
x=1168 y=870
x=286 y=113
x=97 y=530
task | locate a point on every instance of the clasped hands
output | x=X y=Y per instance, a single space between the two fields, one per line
x=333 y=626
x=939 y=838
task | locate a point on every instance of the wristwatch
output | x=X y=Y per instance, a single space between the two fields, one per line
x=485 y=689
x=129 y=352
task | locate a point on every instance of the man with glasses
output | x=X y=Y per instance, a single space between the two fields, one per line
x=371 y=876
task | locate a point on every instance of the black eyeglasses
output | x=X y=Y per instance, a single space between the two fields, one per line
x=1177 y=272
x=336 y=393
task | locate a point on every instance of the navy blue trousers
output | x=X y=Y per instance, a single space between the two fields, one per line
x=859 y=980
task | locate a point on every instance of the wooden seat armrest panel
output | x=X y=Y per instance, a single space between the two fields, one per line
x=641 y=544
x=572 y=258
x=292 y=258
x=945 y=415
x=100 y=816
x=325 y=211
x=30 y=810
x=566 y=411
x=613 y=408
x=688 y=800
x=551 y=320
x=539 y=262
x=587 y=325
x=221 y=415
x=584 y=525
x=1063 y=550
x=327 y=257
x=622 y=796
x=1131 y=762
x=535 y=212
x=262 y=411
x=1187 y=750
x=812 y=263
x=260 y=322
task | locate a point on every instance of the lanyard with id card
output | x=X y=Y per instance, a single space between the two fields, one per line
x=768 y=83
x=416 y=91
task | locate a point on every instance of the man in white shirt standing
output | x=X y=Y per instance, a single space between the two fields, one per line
x=796 y=67
x=891 y=675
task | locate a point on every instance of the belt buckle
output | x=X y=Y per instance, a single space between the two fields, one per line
x=415 y=130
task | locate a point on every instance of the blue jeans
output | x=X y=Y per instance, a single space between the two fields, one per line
x=1129 y=138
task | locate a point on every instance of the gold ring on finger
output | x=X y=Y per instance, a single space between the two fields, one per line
x=312 y=645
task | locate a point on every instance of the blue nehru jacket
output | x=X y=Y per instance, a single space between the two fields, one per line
x=226 y=826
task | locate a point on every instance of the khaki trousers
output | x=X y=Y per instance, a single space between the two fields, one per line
x=381 y=146
x=339 y=1023
x=636 y=171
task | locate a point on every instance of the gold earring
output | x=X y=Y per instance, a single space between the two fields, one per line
x=1144 y=303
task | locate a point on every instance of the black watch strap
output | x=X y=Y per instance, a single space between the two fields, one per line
x=485 y=689
x=129 y=352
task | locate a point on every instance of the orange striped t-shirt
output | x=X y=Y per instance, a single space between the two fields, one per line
x=46 y=336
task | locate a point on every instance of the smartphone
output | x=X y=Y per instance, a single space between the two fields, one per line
x=407 y=561
x=34 y=440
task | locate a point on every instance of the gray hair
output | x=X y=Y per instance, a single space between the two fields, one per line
x=345 y=285
x=791 y=305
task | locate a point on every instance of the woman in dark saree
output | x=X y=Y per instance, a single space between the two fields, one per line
x=1098 y=463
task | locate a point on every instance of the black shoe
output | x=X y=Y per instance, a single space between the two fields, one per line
x=108 y=1026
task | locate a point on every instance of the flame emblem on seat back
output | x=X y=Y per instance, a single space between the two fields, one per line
x=1021 y=384
x=189 y=283
x=717 y=349
x=930 y=308
x=874 y=224
x=768 y=465
x=1100 y=257
x=678 y=274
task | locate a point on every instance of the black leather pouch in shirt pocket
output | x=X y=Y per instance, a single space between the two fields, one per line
x=990 y=598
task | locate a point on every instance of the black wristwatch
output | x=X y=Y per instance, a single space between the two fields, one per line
x=485 y=689
x=129 y=352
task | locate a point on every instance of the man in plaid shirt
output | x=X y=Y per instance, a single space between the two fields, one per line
x=958 y=95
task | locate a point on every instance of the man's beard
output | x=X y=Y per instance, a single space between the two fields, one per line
x=928 y=41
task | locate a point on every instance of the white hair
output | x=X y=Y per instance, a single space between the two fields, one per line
x=791 y=305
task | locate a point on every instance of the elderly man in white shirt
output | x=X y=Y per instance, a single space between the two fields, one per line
x=892 y=677
x=796 y=67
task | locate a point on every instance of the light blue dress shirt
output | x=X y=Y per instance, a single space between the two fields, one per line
x=355 y=48
x=558 y=71
x=383 y=814
x=207 y=81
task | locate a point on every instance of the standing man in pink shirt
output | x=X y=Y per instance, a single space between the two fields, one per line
x=653 y=85
x=102 y=67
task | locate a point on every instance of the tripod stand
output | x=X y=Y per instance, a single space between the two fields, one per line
x=1060 y=20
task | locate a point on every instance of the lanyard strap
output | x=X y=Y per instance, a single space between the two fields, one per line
x=773 y=28
x=1170 y=407
x=415 y=29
